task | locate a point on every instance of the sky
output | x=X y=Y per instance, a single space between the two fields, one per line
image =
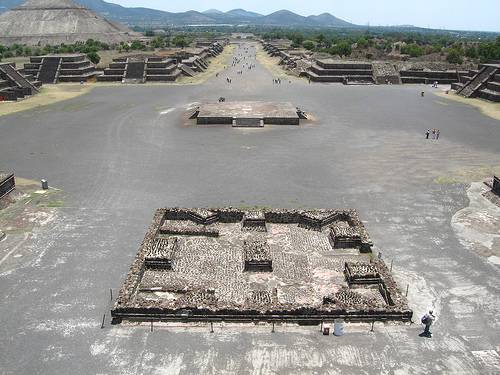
x=481 y=15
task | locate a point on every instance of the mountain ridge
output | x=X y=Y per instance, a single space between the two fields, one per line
x=140 y=16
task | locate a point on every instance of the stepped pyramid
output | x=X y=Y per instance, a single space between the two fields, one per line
x=41 y=22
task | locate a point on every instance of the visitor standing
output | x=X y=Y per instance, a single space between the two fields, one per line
x=437 y=133
x=427 y=133
x=428 y=319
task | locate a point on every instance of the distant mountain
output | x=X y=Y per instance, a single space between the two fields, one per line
x=151 y=17
x=243 y=13
x=326 y=19
x=285 y=17
x=213 y=11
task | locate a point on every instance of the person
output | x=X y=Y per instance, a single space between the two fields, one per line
x=427 y=133
x=433 y=133
x=428 y=319
x=437 y=134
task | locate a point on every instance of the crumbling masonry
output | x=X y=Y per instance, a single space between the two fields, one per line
x=231 y=264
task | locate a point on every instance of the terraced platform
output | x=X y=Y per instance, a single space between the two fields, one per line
x=207 y=264
x=247 y=114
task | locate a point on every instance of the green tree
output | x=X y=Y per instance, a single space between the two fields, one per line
x=341 y=49
x=180 y=41
x=94 y=57
x=454 y=56
x=308 y=44
x=414 y=50
x=471 y=52
x=362 y=43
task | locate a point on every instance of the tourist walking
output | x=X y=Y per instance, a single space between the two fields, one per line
x=428 y=319
x=437 y=133
x=427 y=133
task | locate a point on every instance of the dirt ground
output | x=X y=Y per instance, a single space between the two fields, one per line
x=216 y=65
x=271 y=64
x=490 y=109
x=49 y=94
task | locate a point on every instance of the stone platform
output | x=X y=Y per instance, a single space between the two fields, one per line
x=247 y=114
x=215 y=267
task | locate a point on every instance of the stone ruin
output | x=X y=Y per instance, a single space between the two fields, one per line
x=7 y=183
x=61 y=68
x=219 y=264
x=484 y=83
x=16 y=84
x=247 y=114
x=140 y=69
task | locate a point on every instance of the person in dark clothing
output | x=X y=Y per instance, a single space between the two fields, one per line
x=427 y=133
x=428 y=319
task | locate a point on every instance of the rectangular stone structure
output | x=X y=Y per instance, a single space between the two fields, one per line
x=343 y=236
x=160 y=253
x=257 y=255
x=359 y=273
x=243 y=112
x=287 y=273
x=254 y=221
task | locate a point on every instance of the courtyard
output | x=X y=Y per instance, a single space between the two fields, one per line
x=116 y=154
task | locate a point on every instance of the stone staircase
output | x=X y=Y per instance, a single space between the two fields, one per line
x=478 y=82
x=492 y=90
x=14 y=85
x=49 y=69
x=135 y=71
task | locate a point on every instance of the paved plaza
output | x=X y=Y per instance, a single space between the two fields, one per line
x=116 y=154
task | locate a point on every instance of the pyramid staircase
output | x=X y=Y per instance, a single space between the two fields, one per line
x=14 y=85
x=62 y=68
x=484 y=84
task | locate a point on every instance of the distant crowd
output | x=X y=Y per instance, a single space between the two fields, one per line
x=433 y=134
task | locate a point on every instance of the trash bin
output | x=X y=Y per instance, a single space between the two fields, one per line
x=45 y=184
x=338 y=327
x=326 y=329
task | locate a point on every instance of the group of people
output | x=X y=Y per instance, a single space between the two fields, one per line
x=434 y=133
x=277 y=81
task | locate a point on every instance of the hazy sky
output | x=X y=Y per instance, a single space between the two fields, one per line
x=449 y=14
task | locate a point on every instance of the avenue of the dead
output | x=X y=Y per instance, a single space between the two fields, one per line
x=117 y=154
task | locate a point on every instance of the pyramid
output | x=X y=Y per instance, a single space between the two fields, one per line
x=41 y=22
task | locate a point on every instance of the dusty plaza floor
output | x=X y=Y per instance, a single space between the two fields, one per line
x=117 y=154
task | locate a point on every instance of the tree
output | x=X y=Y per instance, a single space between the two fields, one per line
x=454 y=57
x=94 y=57
x=362 y=43
x=471 y=52
x=180 y=41
x=414 y=50
x=341 y=49
x=308 y=44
